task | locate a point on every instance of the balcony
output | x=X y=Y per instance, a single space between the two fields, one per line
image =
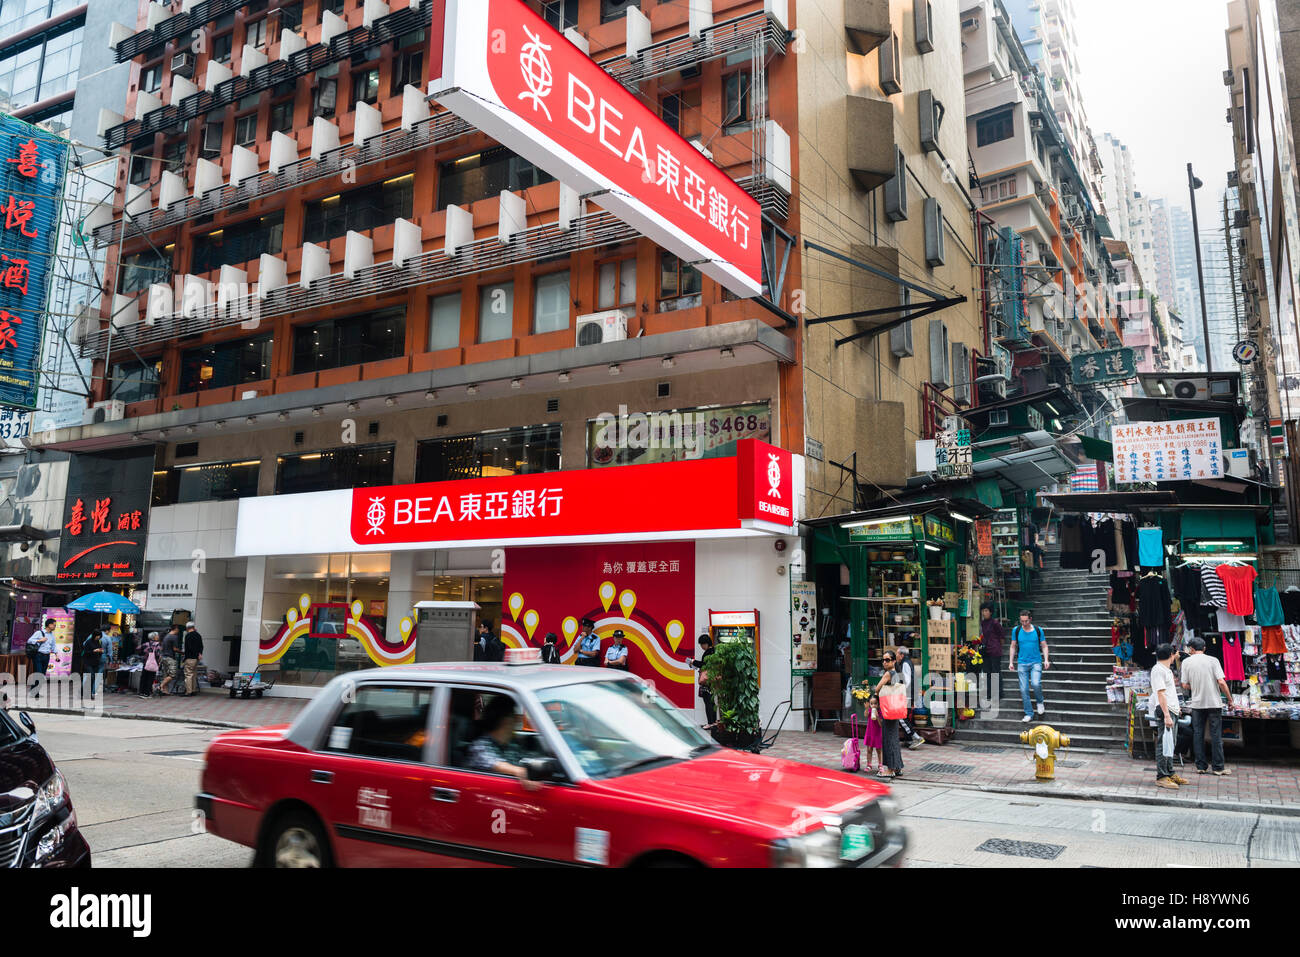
x=181 y=24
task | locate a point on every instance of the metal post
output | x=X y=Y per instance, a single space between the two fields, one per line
x=1192 y=184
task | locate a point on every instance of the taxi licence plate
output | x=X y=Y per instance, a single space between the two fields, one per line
x=856 y=842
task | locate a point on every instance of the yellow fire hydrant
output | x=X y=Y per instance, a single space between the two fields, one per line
x=1046 y=741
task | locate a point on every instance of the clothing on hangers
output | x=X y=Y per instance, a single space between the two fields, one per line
x=1237 y=583
x=1272 y=641
x=1291 y=606
x=1215 y=590
x=1153 y=602
x=1227 y=621
x=1268 y=606
x=1151 y=547
x=1233 y=669
x=1129 y=535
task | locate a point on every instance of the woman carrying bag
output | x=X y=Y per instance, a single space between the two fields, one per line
x=151 y=651
x=892 y=692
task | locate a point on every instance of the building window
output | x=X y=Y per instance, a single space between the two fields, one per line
x=353 y=466
x=282 y=117
x=213 y=134
x=246 y=129
x=681 y=110
x=212 y=481
x=369 y=337
x=616 y=284
x=613 y=9
x=359 y=209
x=995 y=128
x=509 y=452
x=173 y=155
x=324 y=95
x=679 y=284
x=139 y=270
x=551 y=302
x=444 y=322
x=333 y=6
x=140 y=167
x=408 y=70
x=226 y=364
x=291 y=17
x=561 y=14
x=475 y=177
x=222 y=46
x=736 y=116
x=365 y=87
x=255 y=34
x=151 y=78
x=135 y=381
x=1002 y=188
x=239 y=243
x=496 y=310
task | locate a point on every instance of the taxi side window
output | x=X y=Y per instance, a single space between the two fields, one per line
x=383 y=721
x=467 y=722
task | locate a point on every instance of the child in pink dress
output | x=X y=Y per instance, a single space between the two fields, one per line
x=873 y=738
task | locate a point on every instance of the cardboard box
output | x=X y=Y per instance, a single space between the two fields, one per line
x=940 y=657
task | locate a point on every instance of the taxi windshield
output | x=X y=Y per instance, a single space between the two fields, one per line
x=617 y=727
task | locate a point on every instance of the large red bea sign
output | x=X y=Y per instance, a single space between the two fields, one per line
x=626 y=500
x=503 y=68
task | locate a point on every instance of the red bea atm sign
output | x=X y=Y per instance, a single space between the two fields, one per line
x=503 y=68
x=704 y=494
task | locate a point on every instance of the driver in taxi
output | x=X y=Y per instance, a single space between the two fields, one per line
x=487 y=752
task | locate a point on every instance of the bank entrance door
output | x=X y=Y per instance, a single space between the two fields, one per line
x=485 y=591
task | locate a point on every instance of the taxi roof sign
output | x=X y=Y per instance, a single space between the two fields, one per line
x=523 y=656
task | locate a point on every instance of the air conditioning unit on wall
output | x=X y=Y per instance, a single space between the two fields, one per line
x=601 y=327
x=110 y=410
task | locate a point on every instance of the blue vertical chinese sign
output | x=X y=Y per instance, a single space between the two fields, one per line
x=33 y=162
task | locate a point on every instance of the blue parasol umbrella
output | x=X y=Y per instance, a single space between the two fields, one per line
x=105 y=602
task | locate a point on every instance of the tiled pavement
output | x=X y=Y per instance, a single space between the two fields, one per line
x=1272 y=786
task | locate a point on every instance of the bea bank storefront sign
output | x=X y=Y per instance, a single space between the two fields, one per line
x=503 y=68
x=752 y=493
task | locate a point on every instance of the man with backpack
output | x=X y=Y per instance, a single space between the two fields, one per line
x=1028 y=659
x=93 y=658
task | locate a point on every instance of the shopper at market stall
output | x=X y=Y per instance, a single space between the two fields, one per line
x=1163 y=707
x=1029 y=659
x=904 y=667
x=151 y=651
x=1202 y=675
x=891 y=761
x=171 y=649
x=992 y=635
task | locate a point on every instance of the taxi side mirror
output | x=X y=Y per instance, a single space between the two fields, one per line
x=541 y=769
x=27 y=721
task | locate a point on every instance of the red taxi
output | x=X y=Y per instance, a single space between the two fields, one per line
x=526 y=764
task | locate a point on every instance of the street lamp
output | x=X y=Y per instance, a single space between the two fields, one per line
x=1193 y=184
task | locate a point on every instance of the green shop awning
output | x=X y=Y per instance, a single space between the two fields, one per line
x=1218 y=523
x=1097 y=449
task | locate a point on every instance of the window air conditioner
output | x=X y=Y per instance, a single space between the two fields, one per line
x=183 y=64
x=110 y=410
x=601 y=327
x=970 y=23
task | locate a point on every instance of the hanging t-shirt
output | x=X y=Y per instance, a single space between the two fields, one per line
x=1228 y=622
x=1214 y=589
x=1151 y=548
x=1237 y=582
x=1233 y=669
x=1268 y=606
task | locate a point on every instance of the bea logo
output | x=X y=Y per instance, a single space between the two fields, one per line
x=774 y=475
x=536 y=70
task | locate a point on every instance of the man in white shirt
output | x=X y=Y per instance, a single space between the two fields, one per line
x=904 y=667
x=1163 y=708
x=1202 y=675
x=45 y=645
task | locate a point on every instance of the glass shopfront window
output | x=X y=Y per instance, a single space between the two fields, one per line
x=211 y=481
x=356 y=466
x=508 y=452
x=135 y=381
x=226 y=364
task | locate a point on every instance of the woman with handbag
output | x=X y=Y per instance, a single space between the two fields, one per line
x=150 y=650
x=892 y=693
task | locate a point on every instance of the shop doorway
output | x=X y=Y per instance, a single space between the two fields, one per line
x=486 y=591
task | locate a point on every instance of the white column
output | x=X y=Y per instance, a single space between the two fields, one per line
x=251 y=632
x=403 y=591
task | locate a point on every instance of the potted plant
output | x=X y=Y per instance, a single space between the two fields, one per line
x=732 y=671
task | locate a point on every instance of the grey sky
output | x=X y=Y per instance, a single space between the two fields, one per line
x=1153 y=76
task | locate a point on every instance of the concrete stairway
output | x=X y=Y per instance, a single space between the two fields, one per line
x=1070 y=607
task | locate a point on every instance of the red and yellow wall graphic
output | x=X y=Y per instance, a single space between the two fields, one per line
x=298 y=623
x=647 y=590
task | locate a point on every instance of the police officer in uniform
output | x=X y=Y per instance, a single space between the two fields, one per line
x=588 y=645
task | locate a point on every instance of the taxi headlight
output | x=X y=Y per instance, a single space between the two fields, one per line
x=819 y=848
x=53 y=838
x=52 y=796
x=889 y=815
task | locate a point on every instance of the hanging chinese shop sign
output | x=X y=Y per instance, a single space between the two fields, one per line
x=952 y=453
x=499 y=65
x=1096 y=368
x=1168 y=451
x=32 y=166
x=106 y=518
x=984 y=537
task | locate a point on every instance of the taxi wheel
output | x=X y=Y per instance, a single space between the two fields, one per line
x=297 y=840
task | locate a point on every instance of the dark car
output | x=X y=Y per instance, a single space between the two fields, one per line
x=38 y=827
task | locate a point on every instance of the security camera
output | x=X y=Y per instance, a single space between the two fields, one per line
x=779 y=545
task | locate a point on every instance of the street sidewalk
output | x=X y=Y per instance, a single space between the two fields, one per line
x=1263 y=787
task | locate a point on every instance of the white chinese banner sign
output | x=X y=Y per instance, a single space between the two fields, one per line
x=1168 y=451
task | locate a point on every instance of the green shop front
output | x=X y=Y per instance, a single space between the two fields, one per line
x=910 y=582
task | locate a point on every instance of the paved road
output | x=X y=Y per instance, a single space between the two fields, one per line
x=134 y=801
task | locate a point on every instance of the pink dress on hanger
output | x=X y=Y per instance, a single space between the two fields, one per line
x=1233 y=669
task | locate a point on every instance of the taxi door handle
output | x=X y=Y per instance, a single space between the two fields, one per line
x=322 y=777
x=445 y=795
